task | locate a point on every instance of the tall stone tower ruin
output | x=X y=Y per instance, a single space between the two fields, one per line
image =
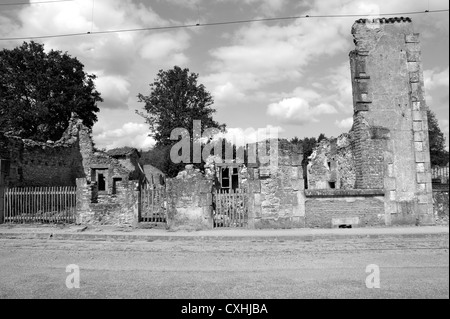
x=390 y=118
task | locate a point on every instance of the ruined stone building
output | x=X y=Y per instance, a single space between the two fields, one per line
x=387 y=150
x=379 y=173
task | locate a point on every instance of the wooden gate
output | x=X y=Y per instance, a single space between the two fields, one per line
x=230 y=208
x=152 y=204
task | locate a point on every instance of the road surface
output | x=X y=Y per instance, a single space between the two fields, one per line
x=409 y=268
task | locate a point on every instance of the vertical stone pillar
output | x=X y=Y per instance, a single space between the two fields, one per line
x=424 y=191
x=254 y=198
x=390 y=119
x=83 y=199
x=189 y=201
x=298 y=186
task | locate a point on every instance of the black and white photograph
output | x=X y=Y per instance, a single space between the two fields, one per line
x=224 y=158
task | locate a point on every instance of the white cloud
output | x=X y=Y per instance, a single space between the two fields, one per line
x=119 y=59
x=345 y=123
x=268 y=7
x=130 y=134
x=303 y=109
x=166 y=48
x=339 y=87
x=435 y=79
x=115 y=90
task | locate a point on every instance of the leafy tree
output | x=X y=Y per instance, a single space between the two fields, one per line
x=321 y=137
x=439 y=155
x=176 y=99
x=39 y=91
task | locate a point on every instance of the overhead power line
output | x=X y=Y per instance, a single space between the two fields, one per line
x=217 y=24
x=27 y=3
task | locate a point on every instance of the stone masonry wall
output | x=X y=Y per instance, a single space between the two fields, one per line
x=189 y=201
x=41 y=164
x=120 y=209
x=356 y=207
x=332 y=161
x=276 y=198
x=390 y=118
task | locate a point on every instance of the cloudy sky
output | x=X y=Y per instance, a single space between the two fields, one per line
x=291 y=74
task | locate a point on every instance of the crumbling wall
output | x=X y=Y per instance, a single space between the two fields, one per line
x=332 y=164
x=94 y=160
x=276 y=198
x=189 y=200
x=392 y=149
x=42 y=164
x=390 y=132
x=118 y=210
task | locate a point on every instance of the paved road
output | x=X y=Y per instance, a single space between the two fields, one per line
x=409 y=268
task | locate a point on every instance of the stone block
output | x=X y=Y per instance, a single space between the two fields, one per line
x=255 y=186
x=413 y=66
x=257 y=211
x=392 y=195
x=412 y=56
x=412 y=38
x=418 y=146
x=414 y=77
x=422 y=187
x=257 y=199
x=362 y=106
x=391 y=170
x=421 y=157
x=419 y=136
x=423 y=178
x=420 y=167
x=425 y=199
x=418 y=115
x=416 y=106
x=390 y=183
x=417 y=126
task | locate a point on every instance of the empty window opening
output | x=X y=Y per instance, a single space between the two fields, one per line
x=101 y=183
x=115 y=180
x=332 y=185
x=345 y=226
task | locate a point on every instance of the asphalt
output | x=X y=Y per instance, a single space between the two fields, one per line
x=105 y=233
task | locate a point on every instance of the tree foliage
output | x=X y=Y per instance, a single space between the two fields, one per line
x=176 y=99
x=438 y=154
x=40 y=90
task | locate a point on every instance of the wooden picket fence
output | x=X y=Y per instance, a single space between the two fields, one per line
x=230 y=208
x=152 y=204
x=40 y=205
x=440 y=174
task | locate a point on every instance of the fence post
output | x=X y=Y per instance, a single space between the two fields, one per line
x=2 y=199
x=2 y=189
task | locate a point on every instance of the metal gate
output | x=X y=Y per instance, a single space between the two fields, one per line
x=152 y=204
x=230 y=208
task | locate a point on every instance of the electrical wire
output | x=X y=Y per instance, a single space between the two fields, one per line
x=27 y=3
x=218 y=24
